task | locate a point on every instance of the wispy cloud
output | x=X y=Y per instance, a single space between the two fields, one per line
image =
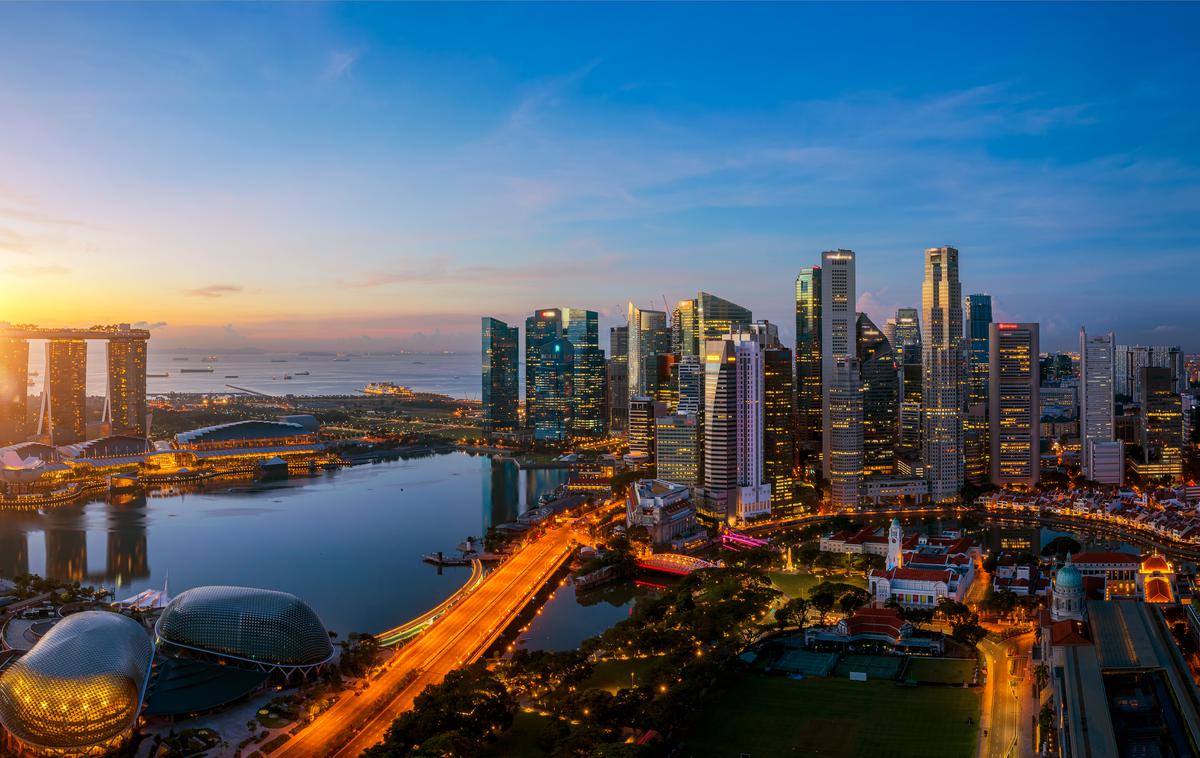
x=49 y=269
x=213 y=290
x=149 y=324
x=340 y=64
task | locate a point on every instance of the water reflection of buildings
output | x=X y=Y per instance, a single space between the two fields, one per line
x=508 y=491
x=64 y=532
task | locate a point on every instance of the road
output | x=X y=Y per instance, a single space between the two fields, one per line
x=465 y=632
x=1007 y=677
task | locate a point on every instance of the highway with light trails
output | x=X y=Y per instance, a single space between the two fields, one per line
x=459 y=637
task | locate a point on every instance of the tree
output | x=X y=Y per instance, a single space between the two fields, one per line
x=793 y=613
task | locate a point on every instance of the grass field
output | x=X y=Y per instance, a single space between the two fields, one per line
x=874 y=666
x=800 y=584
x=774 y=716
x=522 y=738
x=941 y=670
x=613 y=675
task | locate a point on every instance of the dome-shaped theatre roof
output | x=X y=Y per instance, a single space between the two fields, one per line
x=80 y=686
x=264 y=626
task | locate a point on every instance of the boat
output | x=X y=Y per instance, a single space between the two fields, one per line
x=438 y=559
x=287 y=377
x=341 y=360
x=387 y=389
x=279 y=360
x=209 y=359
x=179 y=359
x=163 y=375
x=205 y=370
x=301 y=373
x=231 y=376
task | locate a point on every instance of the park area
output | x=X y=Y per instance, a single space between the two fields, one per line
x=801 y=583
x=940 y=670
x=775 y=716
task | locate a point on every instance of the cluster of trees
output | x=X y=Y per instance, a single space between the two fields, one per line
x=964 y=622
x=458 y=717
x=358 y=653
x=694 y=630
x=826 y=597
x=1011 y=604
x=31 y=585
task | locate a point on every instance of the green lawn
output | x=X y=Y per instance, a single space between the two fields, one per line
x=800 y=584
x=522 y=738
x=773 y=716
x=613 y=675
x=941 y=670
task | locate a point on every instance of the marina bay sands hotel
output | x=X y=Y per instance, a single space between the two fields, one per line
x=62 y=418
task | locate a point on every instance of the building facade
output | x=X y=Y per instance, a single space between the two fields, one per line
x=677 y=448
x=1101 y=454
x=838 y=325
x=942 y=374
x=844 y=432
x=880 y=397
x=1015 y=414
x=808 y=358
x=500 y=364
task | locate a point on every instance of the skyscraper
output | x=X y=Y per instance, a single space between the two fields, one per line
x=907 y=346
x=500 y=351
x=648 y=337
x=808 y=358
x=554 y=391
x=1015 y=414
x=734 y=479
x=1162 y=420
x=844 y=432
x=717 y=317
x=976 y=447
x=125 y=401
x=838 y=327
x=587 y=371
x=677 y=452
x=779 y=448
x=64 y=399
x=688 y=329
x=1101 y=454
x=617 y=378
x=542 y=328
x=880 y=398
x=942 y=373
x=642 y=412
x=14 y=391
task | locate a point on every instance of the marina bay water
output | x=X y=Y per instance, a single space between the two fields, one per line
x=349 y=541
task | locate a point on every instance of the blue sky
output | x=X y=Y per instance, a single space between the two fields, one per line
x=381 y=175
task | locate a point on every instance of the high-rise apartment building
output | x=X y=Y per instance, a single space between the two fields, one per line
x=125 y=409
x=808 y=358
x=942 y=374
x=64 y=400
x=677 y=448
x=880 y=384
x=14 y=391
x=838 y=327
x=500 y=365
x=844 y=432
x=1102 y=455
x=1015 y=407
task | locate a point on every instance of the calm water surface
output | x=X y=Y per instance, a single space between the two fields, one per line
x=348 y=541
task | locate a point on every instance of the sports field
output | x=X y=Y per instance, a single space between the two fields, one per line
x=941 y=670
x=874 y=666
x=774 y=716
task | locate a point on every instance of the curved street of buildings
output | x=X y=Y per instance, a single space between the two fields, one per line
x=359 y=720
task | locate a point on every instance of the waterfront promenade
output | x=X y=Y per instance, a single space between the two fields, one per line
x=358 y=721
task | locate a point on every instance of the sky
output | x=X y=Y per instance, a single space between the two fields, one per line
x=373 y=176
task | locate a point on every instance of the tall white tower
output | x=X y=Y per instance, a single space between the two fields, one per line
x=943 y=374
x=895 y=542
x=1103 y=455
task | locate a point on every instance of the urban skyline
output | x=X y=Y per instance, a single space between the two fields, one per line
x=1035 y=168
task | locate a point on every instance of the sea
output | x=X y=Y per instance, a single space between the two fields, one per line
x=453 y=374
